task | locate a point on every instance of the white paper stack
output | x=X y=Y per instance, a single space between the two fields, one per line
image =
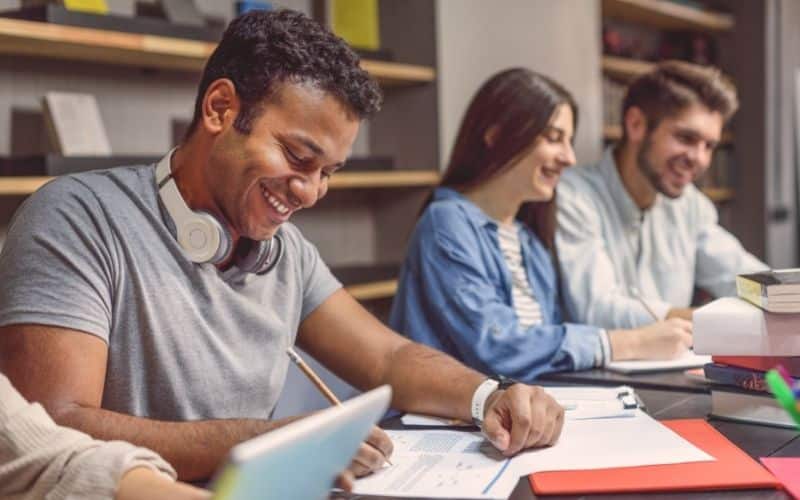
x=731 y=326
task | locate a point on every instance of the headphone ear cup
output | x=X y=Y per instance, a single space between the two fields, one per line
x=262 y=256
x=204 y=238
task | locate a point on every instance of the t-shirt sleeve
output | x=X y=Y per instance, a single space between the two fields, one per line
x=319 y=283
x=56 y=266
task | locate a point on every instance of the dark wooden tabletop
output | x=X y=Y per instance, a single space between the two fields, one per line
x=666 y=381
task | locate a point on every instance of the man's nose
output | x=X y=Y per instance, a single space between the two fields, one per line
x=304 y=190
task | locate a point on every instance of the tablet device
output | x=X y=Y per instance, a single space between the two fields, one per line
x=304 y=458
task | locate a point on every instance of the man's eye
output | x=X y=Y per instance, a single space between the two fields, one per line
x=292 y=156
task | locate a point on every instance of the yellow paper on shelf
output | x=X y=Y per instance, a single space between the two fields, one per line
x=91 y=6
x=357 y=22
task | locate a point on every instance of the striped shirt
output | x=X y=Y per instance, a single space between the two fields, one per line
x=529 y=313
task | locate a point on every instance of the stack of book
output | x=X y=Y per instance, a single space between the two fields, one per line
x=775 y=291
x=739 y=391
x=746 y=337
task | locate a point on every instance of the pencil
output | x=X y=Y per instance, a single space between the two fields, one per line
x=324 y=389
x=313 y=377
x=635 y=293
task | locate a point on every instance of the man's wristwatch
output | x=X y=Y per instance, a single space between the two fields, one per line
x=482 y=393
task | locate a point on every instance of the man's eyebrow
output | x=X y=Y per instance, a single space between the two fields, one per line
x=313 y=146
x=695 y=134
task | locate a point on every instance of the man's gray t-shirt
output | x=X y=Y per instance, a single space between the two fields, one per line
x=93 y=252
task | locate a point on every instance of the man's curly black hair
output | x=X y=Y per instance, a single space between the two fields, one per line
x=262 y=49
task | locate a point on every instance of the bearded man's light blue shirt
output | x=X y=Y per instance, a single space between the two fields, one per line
x=609 y=249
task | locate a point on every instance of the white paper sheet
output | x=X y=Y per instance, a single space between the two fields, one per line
x=441 y=464
x=688 y=360
x=607 y=443
x=457 y=464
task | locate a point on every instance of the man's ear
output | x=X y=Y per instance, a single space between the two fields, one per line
x=635 y=123
x=221 y=105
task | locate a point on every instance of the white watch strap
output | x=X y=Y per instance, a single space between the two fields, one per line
x=479 y=398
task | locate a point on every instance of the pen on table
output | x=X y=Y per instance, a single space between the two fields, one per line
x=635 y=293
x=324 y=389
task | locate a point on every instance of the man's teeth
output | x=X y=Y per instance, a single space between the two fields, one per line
x=280 y=207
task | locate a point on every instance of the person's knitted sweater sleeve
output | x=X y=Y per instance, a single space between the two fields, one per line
x=39 y=459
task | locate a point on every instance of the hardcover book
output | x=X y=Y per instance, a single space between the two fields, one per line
x=761 y=363
x=742 y=378
x=775 y=290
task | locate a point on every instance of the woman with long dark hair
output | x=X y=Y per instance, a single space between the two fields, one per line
x=480 y=279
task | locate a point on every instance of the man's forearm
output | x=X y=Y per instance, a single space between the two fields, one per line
x=431 y=382
x=194 y=448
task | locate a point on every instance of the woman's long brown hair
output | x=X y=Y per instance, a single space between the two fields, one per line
x=516 y=105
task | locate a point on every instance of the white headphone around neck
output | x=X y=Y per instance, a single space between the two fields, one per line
x=204 y=238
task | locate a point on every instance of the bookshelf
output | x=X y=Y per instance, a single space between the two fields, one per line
x=623 y=68
x=30 y=38
x=664 y=14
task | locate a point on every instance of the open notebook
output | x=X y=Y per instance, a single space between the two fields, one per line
x=688 y=360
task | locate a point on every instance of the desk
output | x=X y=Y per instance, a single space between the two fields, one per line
x=666 y=381
x=756 y=440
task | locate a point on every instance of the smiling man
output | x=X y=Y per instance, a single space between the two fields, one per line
x=635 y=224
x=155 y=304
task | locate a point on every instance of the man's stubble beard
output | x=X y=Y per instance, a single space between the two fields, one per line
x=649 y=170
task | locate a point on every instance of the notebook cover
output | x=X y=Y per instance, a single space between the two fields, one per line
x=733 y=469
x=787 y=469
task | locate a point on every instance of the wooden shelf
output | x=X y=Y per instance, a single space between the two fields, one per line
x=392 y=74
x=30 y=38
x=21 y=186
x=396 y=178
x=719 y=194
x=614 y=133
x=625 y=69
x=375 y=290
x=667 y=15
x=12 y=185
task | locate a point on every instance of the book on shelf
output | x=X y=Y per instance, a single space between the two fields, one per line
x=74 y=124
x=739 y=405
x=775 y=290
x=761 y=363
x=731 y=326
x=734 y=376
x=119 y=18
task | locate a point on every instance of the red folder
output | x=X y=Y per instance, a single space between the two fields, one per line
x=733 y=470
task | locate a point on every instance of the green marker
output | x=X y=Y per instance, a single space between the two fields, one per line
x=783 y=393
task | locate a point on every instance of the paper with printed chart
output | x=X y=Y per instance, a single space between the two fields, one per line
x=457 y=464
